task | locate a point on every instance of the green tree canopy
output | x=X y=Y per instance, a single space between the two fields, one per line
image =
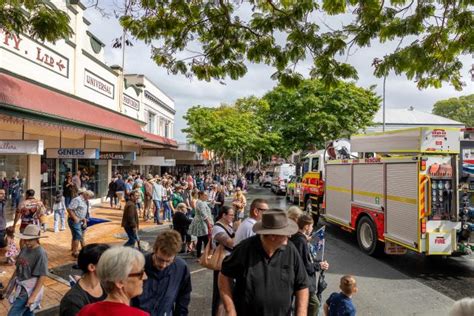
x=214 y=39
x=38 y=18
x=312 y=114
x=459 y=109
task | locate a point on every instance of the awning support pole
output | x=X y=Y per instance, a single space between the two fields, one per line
x=85 y=140
x=60 y=138
x=23 y=130
x=100 y=143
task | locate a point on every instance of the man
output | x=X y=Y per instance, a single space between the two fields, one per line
x=245 y=231
x=157 y=198
x=130 y=219
x=268 y=271
x=29 y=211
x=301 y=242
x=3 y=220
x=78 y=211
x=120 y=187
x=186 y=194
x=148 y=196
x=167 y=291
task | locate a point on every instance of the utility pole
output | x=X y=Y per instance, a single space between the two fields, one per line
x=383 y=104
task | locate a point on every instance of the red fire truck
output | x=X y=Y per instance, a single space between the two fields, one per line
x=406 y=197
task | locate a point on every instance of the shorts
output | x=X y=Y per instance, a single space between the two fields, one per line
x=76 y=229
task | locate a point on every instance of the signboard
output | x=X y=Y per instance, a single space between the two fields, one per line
x=74 y=153
x=98 y=84
x=394 y=249
x=131 y=102
x=34 y=52
x=32 y=147
x=108 y=155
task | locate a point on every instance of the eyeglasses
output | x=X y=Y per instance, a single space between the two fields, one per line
x=137 y=274
x=262 y=209
x=161 y=260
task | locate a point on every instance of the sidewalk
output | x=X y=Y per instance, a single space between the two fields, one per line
x=58 y=246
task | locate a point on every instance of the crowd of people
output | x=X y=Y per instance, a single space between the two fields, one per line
x=269 y=263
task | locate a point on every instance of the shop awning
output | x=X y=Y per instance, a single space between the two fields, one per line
x=22 y=99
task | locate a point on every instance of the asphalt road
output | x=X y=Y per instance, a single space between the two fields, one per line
x=388 y=285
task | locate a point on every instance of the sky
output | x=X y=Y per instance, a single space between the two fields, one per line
x=400 y=92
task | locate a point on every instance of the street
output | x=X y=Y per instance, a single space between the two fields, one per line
x=405 y=285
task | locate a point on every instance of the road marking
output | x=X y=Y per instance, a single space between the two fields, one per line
x=199 y=270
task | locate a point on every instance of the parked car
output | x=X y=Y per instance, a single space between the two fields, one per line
x=281 y=175
x=266 y=179
x=293 y=188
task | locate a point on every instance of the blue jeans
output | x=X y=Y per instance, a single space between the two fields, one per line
x=59 y=216
x=157 y=210
x=132 y=237
x=67 y=200
x=168 y=211
x=19 y=307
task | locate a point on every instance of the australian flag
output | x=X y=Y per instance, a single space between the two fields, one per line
x=317 y=241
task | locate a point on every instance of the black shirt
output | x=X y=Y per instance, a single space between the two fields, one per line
x=75 y=299
x=264 y=286
x=301 y=243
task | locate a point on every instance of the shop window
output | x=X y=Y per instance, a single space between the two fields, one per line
x=13 y=172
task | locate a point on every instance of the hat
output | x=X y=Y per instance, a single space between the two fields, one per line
x=31 y=232
x=149 y=177
x=275 y=222
x=89 y=193
x=81 y=190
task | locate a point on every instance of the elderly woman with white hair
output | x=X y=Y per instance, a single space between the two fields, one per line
x=121 y=271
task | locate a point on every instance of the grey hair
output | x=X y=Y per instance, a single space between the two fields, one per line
x=115 y=265
x=463 y=307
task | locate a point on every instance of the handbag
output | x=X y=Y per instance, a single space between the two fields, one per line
x=212 y=258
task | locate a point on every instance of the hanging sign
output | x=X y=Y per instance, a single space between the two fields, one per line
x=73 y=153
x=34 y=52
x=110 y=155
x=96 y=83
x=32 y=147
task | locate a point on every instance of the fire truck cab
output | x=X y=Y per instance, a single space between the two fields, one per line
x=406 y=196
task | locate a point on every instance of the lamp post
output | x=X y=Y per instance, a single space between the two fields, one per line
x=383 y=104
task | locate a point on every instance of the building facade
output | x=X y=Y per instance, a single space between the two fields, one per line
x=64 y=110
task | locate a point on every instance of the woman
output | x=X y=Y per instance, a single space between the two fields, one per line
x=222 y=234
x=239 y=202
x=69 y=189
x=88 y=289
x=219 y=200
x=294 y=212
x=202 y=222
x=121 y=272
x=167 y=206
x=181 y=224
x=26 y=291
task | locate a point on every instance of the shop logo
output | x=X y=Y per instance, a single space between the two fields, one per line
x=7 y=146
x=70 y=152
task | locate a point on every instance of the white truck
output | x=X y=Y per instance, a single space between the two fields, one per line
x=406 y=197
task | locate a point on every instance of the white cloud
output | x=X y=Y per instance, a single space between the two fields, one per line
x=400 y=92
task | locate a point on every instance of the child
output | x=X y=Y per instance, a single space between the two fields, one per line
x=138 y=188
x=59 y=209
x=12 y=249
x=341 y=303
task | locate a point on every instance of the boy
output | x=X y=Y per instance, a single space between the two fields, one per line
x=340 y=304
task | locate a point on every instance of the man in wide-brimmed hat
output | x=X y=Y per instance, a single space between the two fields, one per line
x=30 y=273
x=78 y=211
x=268 y=271
x=148 y=184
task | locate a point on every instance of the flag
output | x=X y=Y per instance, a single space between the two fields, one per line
x=318 y=238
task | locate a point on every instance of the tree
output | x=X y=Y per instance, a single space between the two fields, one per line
x=214 y=39
x=459 y=109
x=38 y=18
x=312 y=114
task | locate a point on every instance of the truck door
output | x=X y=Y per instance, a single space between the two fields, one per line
x=402 y=214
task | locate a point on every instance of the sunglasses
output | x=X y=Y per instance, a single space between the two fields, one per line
x=262 y=209
x=137 y=274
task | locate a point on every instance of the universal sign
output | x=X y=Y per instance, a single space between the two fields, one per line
x=73 y=153
x=98 y=84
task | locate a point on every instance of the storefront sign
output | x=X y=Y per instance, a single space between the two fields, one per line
x=131 y=102
x=32 y=147
x=96 y=83
x=34 y=52
x=73 y=153
x=118 y=155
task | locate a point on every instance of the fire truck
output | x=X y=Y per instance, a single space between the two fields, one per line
x=311 y=193
x=405 y=197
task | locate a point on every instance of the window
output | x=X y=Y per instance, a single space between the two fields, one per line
x=315 y=164
x=167 y=127
x=151 y=122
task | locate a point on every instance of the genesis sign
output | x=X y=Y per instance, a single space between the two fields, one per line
x=73 y=153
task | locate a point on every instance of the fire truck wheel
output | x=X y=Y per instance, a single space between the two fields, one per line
x=367 y=235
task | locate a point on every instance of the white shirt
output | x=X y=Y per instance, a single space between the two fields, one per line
x=245 y=230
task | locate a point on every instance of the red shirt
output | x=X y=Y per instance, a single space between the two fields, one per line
x=110 y=308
